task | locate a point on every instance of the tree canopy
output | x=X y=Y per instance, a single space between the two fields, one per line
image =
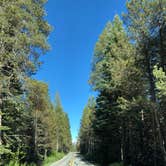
x=128 y=72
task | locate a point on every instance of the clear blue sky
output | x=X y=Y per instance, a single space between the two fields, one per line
x=77 y=25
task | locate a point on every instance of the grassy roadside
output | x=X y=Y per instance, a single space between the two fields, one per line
x=14 y=163
x=116 y=164
x=52 y=158
x=55 y=156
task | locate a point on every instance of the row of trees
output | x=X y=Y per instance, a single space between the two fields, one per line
x=128 y=122
x=31 y=127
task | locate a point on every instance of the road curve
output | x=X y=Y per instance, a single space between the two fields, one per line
x=72 y=159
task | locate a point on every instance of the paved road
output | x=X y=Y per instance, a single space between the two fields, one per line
x=72 y=159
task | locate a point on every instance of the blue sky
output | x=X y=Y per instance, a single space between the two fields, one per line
x=77 y=25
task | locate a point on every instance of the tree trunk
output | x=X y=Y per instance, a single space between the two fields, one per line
x=57 y=144
x=161 y=35
x=122 y=142
x=0 y=119
x=45 y=153
x=35 y=138
x=154 y=109
x=0 y=129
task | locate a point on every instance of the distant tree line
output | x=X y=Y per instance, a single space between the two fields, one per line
x=127 y=123
x=31 y=127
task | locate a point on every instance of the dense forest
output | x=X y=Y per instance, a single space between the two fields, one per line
x=126 y=123
x=31 y=127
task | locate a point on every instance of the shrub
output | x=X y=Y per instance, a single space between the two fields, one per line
x=116 y=164
x=52 y=158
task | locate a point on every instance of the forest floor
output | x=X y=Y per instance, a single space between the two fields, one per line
x=72 y=159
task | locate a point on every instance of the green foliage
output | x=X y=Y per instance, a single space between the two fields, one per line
x=128 y=121
x=86 y=131
x=28 y=120
x=62 y=128
x=52 y=158
x=50 y=124
x=145 y=22
x=117 y=164
x=116 y=77
x=109 y=49
x=160 y=81
x=14 y=163
x=23 y=33
x=4 y=150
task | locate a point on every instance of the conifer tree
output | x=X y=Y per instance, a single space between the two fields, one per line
x=39 y=104
x=113 y=64
x=23 y=37
x=145 y=22
x=63 y=135
x=86 y=135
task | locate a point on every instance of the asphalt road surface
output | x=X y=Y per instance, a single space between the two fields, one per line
x=72 y=159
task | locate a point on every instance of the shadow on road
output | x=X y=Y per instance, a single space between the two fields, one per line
x=83 y=159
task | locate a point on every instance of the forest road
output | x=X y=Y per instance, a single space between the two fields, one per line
x=72 y=159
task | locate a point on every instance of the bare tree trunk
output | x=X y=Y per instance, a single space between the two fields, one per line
x=122 y=142
x=156 y=122
x=0 y=127
x=161 y=35
x=0 y=119
x=0 y=122
x=35 y=141
x=45 y=153
x=0 y=132
x=57 y=143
